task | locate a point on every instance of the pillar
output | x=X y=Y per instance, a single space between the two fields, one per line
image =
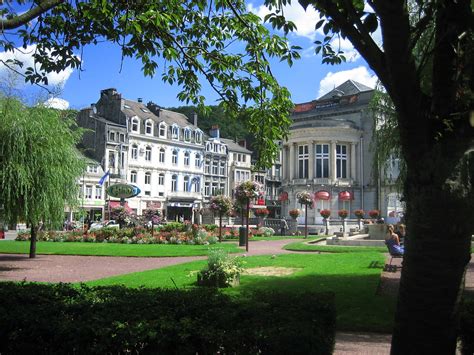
x=291 y=162
x=311 y=160
x=353 y=161
x=333 y=161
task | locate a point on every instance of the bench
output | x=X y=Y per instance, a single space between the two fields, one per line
x=389 y=267
x=277 y=224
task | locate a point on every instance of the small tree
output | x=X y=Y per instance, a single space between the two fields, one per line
x=39 y=164
x=305 y=198
x=244 y=192
x=121 y=216
x=223 y=206
x=153 y=216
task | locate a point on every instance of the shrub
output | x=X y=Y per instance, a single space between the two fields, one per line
x=265 y=231
x=222 y=270
x=173 y=226
x=61 y=319
x=211 y=227
x=466 y=327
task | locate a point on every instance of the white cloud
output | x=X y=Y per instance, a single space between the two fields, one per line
x=56 y=102
x=359 y=74
x=25 y=56
x=304 y=20
x=345 y=46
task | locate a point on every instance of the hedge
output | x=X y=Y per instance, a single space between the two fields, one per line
x=466 y=327
x=63 y=319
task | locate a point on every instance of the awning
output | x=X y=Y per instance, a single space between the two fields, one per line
x=345 y=196
x=115 y=204
x=322 y=195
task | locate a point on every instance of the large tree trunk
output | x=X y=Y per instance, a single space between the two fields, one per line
x=34 y=232
x=438 y=249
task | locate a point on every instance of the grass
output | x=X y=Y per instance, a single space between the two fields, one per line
x=113 y=249
x=303 y=246
x=347 y=275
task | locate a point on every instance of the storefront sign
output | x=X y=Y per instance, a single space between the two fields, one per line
x=123 y=190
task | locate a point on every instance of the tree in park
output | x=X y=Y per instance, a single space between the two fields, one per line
x=425 y=66
x=39 y=165
x=223 y=206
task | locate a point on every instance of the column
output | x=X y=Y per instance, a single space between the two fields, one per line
x=333 y=161
x=284 y=163
x=291 y=161
x=353 y=161
x=311 y=160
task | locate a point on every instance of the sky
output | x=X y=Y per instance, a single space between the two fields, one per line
x=306 y=80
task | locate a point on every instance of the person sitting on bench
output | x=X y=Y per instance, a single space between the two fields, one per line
x=393 y=242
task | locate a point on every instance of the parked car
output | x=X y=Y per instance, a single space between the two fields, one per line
x=104 y=224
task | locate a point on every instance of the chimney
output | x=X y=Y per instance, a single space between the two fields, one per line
x=243 y=143
x=154 y=108
x=195 y=118
x=140 y=100
x=214 y=132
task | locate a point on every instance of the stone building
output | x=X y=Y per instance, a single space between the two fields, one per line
x=328 y=153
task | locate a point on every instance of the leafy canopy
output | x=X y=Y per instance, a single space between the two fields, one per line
x=40 y=164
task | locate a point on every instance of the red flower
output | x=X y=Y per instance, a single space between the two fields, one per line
x=343 y=213
x=325 y=213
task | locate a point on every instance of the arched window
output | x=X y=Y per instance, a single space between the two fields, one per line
x=198 y=137
x=133 y=177
x=147 y=178
x=162 y=130
x=174 y=183
x=134 y=151
x=186 y=184
x=175 y=132
x=135 y=124
x=149 y=127
x=161 y=179
x=197 y=161
x=174 y=158
x=148 y=153
x=162 y=155
x=186 y=158
x=195 y=183
x=187 y=134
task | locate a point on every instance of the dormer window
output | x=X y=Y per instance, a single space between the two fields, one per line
x=149 y=127
x=175 y=132
x=187 y=134
x=198 y=137
x=162 y=130
x=135 y=124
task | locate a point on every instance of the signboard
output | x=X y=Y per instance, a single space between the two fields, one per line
x=123 y=190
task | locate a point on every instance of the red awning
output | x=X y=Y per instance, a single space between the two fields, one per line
x=322 y=195
x=114 y=204
x=345 y=196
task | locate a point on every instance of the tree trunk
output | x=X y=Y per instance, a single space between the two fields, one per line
x=34 y=231
x=220 y=227
x=437 y=251
x=306 y=221
x=247 y=234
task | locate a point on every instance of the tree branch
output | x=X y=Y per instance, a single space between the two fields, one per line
x=17 y=21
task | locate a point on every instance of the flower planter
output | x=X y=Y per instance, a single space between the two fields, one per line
x=377 y=231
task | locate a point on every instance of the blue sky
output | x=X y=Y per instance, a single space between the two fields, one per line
x=306 y=80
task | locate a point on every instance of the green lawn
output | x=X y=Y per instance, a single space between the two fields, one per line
x=347 y=275
x=113 y=249
x=302 y=246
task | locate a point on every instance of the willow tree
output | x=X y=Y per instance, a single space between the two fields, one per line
x=39 y=165
x=426 y=66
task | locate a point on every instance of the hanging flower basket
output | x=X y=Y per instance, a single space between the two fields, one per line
x=247 y=190
x=359 y=213
x=343 y=213
x=261 y=212
x=294 y=213
x=305 y=198
x=221 y=204
x=374 y=214
x=325 y=213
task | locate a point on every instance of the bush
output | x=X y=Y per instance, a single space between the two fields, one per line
x=221 y=271
x=173 y=226
x=466 y=327
x=60 y=319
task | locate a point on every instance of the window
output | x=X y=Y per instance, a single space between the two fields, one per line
x=197 y=161
x=133 y=177
x=161 y=193
x=215 y=167
x=112 y=136
x=341 y=161
x=134 y=152
x=238 y=176
x=303 y=160
x=186 y=158
x=175 y=132
x=88 y=192
x=162 y=130
x=147 y=178
x=222 y=188
x=162 y=155
x=198 y=137
x=186 y=184
x=244 y=157
x=122 y=138
x=195 y=182
x=222 y=169
x=147 y=193
x=144 y=110
x=81 y=191
x=174 y=157
x=148 y=153
x=207 y=189
x=187 y=134
x=277 y=171
x=174 y=183
x=207 y=167
x=161 y=179
x=98 y=192
x=92 y=169
x=214 y=189
x=111 y=159
x=135 y=124
x=322 y=160
x=149 y=127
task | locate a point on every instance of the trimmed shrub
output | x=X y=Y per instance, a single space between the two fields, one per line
x=466 y=327
x=60 y=319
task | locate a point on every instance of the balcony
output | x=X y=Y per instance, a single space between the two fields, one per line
x=273 y=177
x=184 y=195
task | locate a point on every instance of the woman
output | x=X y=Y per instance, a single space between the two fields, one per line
x=393 y=242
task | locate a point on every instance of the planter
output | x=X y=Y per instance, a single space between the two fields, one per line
x=377 y=231
x=204 y=278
